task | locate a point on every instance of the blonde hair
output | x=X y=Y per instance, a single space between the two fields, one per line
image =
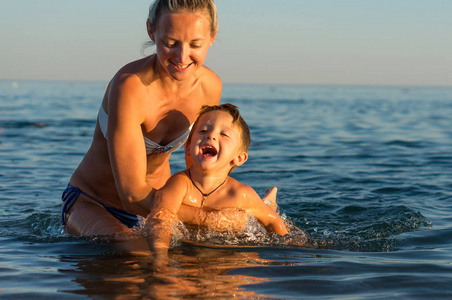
x=176 y=6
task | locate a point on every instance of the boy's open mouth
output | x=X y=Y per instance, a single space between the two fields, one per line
x=208 y=151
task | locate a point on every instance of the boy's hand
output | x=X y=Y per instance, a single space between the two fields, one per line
x=270 y=198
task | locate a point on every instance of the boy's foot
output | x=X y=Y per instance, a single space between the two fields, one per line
x=270 y=198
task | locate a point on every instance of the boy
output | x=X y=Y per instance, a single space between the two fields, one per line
x=205 y=195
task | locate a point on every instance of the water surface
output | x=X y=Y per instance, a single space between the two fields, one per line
x=366 y=171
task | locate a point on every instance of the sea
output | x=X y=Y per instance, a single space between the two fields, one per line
x=366 y=171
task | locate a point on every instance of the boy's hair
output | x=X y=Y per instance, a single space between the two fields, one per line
x=237 y=120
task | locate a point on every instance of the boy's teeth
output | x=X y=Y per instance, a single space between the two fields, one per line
x=209 y=150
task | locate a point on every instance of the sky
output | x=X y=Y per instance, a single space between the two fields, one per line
x=338 y=42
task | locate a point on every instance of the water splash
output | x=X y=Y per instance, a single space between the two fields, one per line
x=254 y=235
x=45 y=225
x=351 y=228
x=366 y=229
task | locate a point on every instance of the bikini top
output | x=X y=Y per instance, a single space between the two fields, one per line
x=151 y=146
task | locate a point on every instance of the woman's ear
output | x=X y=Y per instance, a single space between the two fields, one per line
x=150 y=31
x=240 y=159
x=212 y=38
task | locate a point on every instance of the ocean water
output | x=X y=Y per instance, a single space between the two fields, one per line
x=366 y=171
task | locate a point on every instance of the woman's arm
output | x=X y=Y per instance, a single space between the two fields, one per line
x=163 y=216
x=126 y=98
x=159 y=224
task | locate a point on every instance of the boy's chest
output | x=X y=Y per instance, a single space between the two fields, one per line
x=215 y=201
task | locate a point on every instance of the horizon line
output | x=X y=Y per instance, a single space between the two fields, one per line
x=247 y=83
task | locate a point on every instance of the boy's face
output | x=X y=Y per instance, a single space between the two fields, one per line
x=216 y=142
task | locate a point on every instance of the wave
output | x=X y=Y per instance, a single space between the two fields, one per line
x=352 y=228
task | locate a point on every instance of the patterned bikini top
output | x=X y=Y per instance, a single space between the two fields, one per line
x=151 y=146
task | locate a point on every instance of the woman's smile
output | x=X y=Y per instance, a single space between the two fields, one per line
x=181 y=67
x=182 y=41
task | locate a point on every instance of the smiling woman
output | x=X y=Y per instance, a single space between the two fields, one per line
x=145 y=115
x=181 y=53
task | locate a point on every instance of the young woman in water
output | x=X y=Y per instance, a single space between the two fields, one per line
x=146 y=114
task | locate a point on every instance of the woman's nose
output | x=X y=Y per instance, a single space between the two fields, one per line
x=183 y=54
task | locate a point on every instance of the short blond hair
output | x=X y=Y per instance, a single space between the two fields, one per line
x=237 y=120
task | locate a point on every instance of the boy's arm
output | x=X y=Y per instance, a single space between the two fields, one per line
x=263 y=213
x=163 y=216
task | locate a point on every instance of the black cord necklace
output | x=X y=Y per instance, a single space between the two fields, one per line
x=205 y=195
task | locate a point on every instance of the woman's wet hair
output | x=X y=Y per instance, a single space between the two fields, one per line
x=158 y=7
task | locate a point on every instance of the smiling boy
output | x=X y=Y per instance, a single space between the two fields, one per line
x=205 y=195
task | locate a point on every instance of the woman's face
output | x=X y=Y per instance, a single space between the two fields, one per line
x=182 y=41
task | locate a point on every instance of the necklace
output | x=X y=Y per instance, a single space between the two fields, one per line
x=205 y=195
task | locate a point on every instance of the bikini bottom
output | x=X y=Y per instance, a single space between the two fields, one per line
x=71 y=194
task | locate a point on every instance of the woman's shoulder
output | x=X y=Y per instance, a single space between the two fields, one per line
x=128 y=83
x=136 y=66
x=211 y=75
x=211 y=85
x=133 y=73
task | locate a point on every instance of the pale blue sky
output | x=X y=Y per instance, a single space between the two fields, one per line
x=380 y=42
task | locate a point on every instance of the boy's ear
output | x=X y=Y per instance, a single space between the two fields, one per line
x=240 y=159
x=186 y=149
x=187 y=155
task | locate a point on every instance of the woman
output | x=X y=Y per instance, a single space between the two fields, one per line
x=145 y=115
